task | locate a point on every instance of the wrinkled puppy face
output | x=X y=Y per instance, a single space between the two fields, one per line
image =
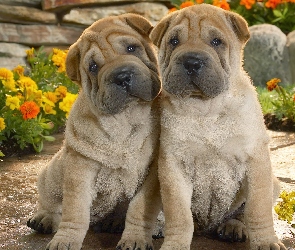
x=200 y=48
x=115 y=62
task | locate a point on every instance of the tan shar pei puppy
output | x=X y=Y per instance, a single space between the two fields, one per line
x=214 y=166
x=111 y=131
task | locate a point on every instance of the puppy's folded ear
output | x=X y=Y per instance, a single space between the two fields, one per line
x=159 y=31
x=138 y=23
x=72 y=63
x=239 y=25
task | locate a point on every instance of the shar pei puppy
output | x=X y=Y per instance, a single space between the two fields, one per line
x=214 y=167
x=111 y=132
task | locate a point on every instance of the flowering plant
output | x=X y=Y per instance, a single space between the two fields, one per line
x=286 y=207
x=277 y=12
x=283 y=100
x=35 y=101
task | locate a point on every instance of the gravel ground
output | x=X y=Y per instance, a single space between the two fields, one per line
x=18 y=196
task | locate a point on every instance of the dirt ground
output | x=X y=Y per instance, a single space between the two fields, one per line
x=18 y=196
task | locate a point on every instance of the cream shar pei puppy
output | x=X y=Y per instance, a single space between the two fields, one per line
x=214 y=167
x=111 y=131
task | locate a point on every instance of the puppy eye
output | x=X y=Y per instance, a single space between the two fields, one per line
x=131 y=48
x=216 y=42
x=174 y=41
x=93 y=67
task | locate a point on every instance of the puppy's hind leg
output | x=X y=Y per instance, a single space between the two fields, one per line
x=233 y=228
x=142 y=214
x=48 y=216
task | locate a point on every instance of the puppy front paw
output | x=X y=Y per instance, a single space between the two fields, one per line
x=44 y=222
x=232 y=230
x=134 y=243
x=268 y=246
x=64 y=243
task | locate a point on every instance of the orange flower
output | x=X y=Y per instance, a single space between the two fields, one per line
x=272 y=3
x=294 y=98
x=272 y=84
x=29 y=110
x=186 y=4
x=172 y=9
x=222 y=4
x=199 y=1
x=247 y=3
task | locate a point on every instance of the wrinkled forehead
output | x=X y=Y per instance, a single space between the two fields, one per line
x=194 y=21
x=108 y=28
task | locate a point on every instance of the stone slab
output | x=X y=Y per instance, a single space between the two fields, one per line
x=38 y=35
x=22 y=14
x=59 y=5
x=13 y=50
x=86 y=16
x=34 y=3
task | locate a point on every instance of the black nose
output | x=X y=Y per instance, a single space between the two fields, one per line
x=192 y=64
x=123 y=79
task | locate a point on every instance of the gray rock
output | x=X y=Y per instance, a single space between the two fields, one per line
x=13 y=50
x=33 y=3
x=38 y=35
x=11 y=62
x=22 y=14
x=86 y=16
x=266 y=55
x=291 y=48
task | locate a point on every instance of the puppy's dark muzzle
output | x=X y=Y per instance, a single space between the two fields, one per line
x=133 y=82
x=123 y=79
x=193 y=64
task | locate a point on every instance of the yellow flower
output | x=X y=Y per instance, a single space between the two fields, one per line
x=66 y=104
x=51 y=96
x=48 y=109
x=26 y=82
x=2 y=124
x=19 y=70
x=45 y=100
x=272 y=84
x=34 y=95
x=6 y=77
x=286 y=208
x=59 y=59
x=12 y=102
x=30 y=52
x=61 y=92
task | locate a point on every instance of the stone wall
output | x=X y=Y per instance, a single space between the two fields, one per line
x=59 y=23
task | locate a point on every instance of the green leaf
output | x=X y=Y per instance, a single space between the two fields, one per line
x=48 y=138
x=1 y=154
x=277 y=13
x=277 y=20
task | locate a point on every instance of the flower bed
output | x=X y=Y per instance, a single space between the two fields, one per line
x=34 y=101
x=277 y=12
x=278 y=105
